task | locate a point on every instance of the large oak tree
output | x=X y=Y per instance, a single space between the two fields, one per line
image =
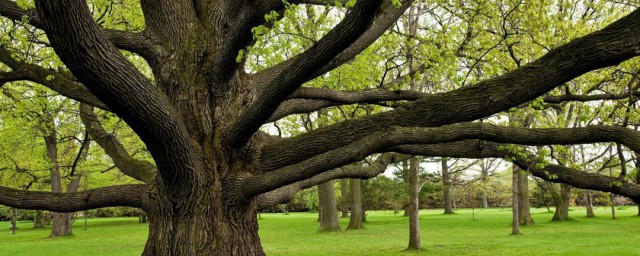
x=200 y=112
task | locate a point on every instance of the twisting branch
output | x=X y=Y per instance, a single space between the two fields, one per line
x=64 y=84
x=130 y=41
x=357 y=170
x=395 y=136
x=138 y=169
x=615 y=43
x=302 y=66
x=526 y=161
x=344 y=97
x=100 y=66
x=122 y=195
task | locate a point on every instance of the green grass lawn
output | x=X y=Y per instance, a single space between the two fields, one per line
x=385 y=233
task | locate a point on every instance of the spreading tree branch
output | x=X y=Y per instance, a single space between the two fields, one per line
x=615 y=43
x=100 y=66
x=122 y=195
x=527 y=161
x=138 y=169
x=285 y=194
x=302 y=66
x=395 y=136
x=64 y=84
x=130 y=41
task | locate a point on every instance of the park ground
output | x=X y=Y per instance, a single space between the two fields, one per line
x=385 y=233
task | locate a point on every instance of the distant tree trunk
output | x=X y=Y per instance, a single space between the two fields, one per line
x=47 y=218
x=484 y=172
x=14 y=220
x=446 y=182
x=562 y=203
x=355 y=222
x=143 y=217
x=329 y=220
x=414 y=205
x=61 y=221
x=524 y=211
x=405 y=179
x=485 y=199
x=613 y=206
x=514 y=202
x=588 y=203
x=344 y=199
x=38 y=219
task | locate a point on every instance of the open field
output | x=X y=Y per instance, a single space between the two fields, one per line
x=385 y=233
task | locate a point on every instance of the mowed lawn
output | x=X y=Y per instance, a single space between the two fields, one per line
x=385 y=233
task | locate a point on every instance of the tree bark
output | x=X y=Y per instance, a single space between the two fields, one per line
x=355 y=221
x=562 y=201
x=344 y=198
x=612 y=197
x=14 y=219
x=524 y=211
x=61 y=221
x=38 y=219
x=588 y=203
x=329 y=220
x=485 y=199
x=414 y=204
x=446 y=181
x=515 y=224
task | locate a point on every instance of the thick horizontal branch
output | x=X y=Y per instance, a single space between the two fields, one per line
x=308 y=100
x=54 y=80
x=123 y=195
x=138 y=169
x=289 y=79
x=285 y=194
x=617 y=42
x=395 y=136
x=585 y=98
x=11 y=76
x=344 y=97
x=297 y=106
x=550 y=172
x=130 y=41
x=320 y=2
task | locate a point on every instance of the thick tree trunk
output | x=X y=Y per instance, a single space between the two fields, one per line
x=562 y=201
x=344 y=198
x=38 y=219
x=414 y=205
x=203 y=224
x=355 y=222
x=588 y=203
x=524 y=211
x=446 y=181
x=515 y=224
x=61 y=224
x=329 y=220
